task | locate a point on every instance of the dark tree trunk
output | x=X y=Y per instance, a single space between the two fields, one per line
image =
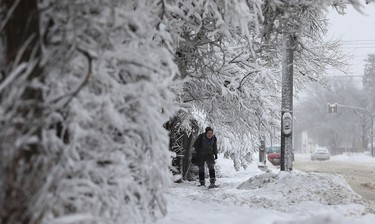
x=21 y=171
x=188 y=145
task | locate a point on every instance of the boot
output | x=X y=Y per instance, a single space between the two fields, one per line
x=212 y=184
x=212 y=178
x=201 y=184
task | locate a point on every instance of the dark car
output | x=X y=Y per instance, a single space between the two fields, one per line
x=274 y=155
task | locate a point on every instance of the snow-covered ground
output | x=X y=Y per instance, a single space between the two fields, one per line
x=253 y=196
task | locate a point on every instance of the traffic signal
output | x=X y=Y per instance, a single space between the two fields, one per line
x=332 y=108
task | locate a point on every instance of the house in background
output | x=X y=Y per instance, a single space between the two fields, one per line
x=308 y=145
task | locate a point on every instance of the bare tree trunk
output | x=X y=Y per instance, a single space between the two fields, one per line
x=20 y=165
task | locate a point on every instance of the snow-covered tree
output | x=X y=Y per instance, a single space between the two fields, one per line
x=86 y=92
x=115 y=163
x=213 y=45
x=229 y=56
x=369 y=80
x=105 y=100
x=306 y=21
x=22 y=113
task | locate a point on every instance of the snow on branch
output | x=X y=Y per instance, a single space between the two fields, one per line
x=59 y=103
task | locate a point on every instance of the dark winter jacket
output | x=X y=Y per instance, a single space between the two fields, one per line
x=205 y=146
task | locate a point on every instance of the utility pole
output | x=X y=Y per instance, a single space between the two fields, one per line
x=287 y=105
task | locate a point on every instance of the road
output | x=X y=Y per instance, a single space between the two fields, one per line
x=359 y=174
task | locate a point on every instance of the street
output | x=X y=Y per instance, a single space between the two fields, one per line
x=360 y=175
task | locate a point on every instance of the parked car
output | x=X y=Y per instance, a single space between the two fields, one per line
x=320 y=153
x=274 y=155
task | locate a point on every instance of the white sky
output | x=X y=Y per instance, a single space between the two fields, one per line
x=358 y=33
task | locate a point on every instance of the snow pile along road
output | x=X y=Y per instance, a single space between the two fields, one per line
x=273 y=197
x=288 y=191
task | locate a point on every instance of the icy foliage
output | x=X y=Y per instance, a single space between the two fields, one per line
x=306 y=21
x=22 y=175
x=114 y=162
x=229 y=57
x=23 y=159
x=219 y=74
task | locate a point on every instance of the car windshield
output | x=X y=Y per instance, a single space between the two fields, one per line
x=321 y=151
x=273 y=149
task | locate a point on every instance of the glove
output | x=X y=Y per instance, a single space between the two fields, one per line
x=215 y=156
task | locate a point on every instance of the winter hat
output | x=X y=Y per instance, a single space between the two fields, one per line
x=209 y=129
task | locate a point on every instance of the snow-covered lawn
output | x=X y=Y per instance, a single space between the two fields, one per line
x=253 y=196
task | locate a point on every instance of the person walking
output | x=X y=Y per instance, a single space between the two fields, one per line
x=206 y=151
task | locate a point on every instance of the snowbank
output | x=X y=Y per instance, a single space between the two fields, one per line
x=252 y=196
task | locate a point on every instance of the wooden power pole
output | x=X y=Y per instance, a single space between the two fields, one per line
x=287 y=105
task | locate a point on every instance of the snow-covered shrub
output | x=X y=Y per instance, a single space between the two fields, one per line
x=109 y=88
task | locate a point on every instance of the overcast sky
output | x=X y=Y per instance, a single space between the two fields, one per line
x=357 y=32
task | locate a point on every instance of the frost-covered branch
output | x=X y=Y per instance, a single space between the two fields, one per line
x=12 y=76
x=69 y=96
x=242 y=80
x=8 y=15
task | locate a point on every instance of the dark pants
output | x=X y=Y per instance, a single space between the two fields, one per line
x=209 y=159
